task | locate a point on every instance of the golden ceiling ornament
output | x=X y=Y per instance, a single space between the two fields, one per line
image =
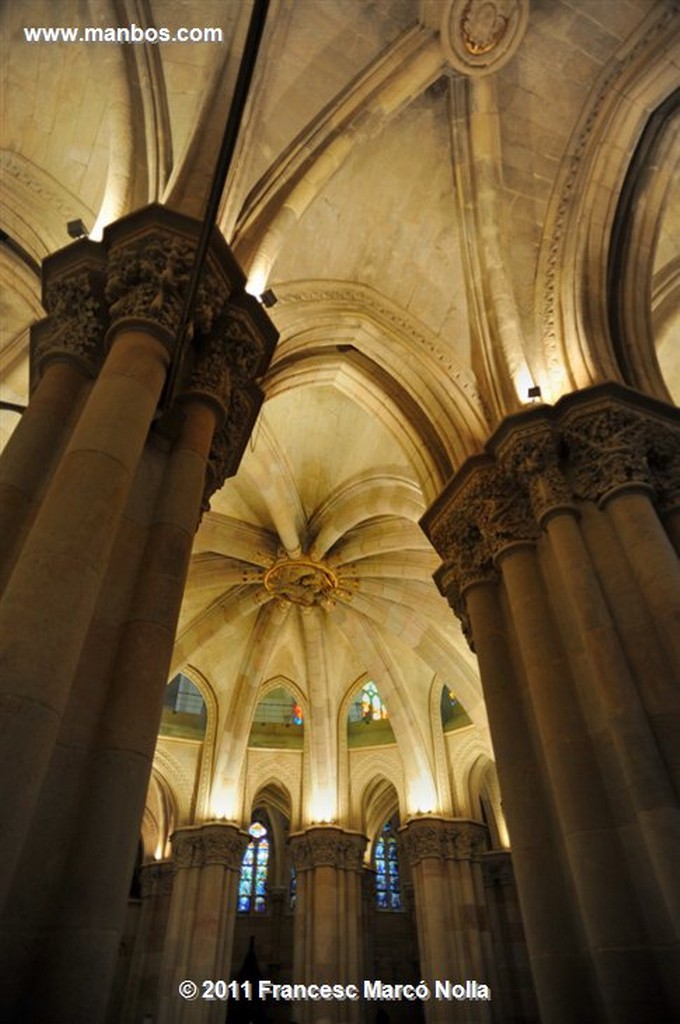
x=302 y=581
x=479 y=36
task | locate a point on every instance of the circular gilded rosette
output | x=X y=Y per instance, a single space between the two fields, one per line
x=480 y=36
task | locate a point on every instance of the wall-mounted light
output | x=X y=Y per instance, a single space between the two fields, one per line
x=76 y=229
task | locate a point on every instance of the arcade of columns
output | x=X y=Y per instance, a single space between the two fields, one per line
x=559 y=547
x=559 y=556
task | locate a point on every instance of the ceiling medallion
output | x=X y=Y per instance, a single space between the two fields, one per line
x=480 y=36
x=302 y=581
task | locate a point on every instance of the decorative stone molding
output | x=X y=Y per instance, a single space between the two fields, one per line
x=566 y=213
x=73 y=295
x=533 y=456
x=663 y=462
x=230 y=440
x=147 y=278
x=209 y=844
x=480 y=36
x=138 y=277
x=302 y=581
x=607 y=450
x=156 y=879
x=328 y=847
x=590 y=446
x=442 y=839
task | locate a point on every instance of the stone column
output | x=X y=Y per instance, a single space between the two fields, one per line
x=200 y=931
x=67 y=352
x=142 y=991
x=53 y=590
x=451 y=921
x=513 y=997
x=328 y=926
x=557 y=507
x=119 y=516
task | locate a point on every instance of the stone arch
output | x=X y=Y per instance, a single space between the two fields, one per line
x=379 y=801
x=207 y=757
x=572 y=294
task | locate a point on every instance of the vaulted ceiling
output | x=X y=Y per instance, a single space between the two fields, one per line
x=427 y=231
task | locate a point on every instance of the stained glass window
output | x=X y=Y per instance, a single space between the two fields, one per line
x=372 y=707
x=386 y=857
x=252 y=888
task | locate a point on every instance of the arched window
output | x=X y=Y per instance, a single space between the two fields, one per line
x=252 y=888
x=386 y=857
x=372 y=707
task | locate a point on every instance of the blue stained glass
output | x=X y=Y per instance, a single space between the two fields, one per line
x=387 y=884
x=253 y=879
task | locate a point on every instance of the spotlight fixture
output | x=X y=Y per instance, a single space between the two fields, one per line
x=268 y=298
x=76 y=229
x=534 y=392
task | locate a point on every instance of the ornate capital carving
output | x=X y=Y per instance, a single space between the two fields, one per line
x=209 y=844
x=147 y=277
x=442 y=839
x=533 y=456
x=156 y=878
x=606 y=450
x=663 y=461
x=328 y=847
x=73 y=295
x=500 y=509
x=230 y=440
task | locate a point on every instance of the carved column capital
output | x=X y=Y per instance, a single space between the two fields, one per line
x=156 y=878
x=442 y=839
x=216 y=843
x=328 y=847
x=151 y=255
x=77 y=320
x=663 y=460
x=533 y=456
x=607 y=450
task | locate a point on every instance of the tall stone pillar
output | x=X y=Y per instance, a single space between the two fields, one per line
x=563 y=518
x=328 y=928
x=513 y=995
x=200 y=931
x=69 y=348
x=453 y=934
x=142 y=991
x=101 y=577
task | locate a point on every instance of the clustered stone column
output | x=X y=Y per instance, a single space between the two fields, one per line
x=559 y=561
x=513 y=991
x=453 y=935
x=200 y=932
x=100 y=529
x=328 y=928
x=142 y=987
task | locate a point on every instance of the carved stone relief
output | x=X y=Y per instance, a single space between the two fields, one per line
x=480 y=36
